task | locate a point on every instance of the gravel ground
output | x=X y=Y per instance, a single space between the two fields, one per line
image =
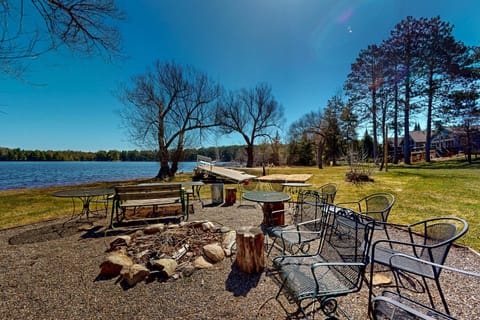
x=50 y=271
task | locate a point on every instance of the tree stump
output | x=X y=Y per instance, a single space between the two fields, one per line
x=231 y=196
x=250 y=250
x=271 y=218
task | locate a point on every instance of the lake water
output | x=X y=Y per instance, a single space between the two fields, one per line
x=33 y=174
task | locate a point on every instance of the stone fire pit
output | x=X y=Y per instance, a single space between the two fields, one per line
x=167 y=251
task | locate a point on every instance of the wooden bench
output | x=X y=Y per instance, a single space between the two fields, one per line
x=164 y=195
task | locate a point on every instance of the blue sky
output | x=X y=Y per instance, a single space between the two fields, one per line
x=302 y=48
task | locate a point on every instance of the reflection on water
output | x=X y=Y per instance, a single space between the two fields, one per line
x=33 y=174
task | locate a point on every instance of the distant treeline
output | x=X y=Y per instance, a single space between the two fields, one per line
x=226 y=154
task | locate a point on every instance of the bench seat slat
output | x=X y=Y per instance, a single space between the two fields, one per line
x=150 y=202
x=154 y=194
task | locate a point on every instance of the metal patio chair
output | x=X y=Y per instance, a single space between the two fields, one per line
x=309 y=225
x=335 y=270
x=429 y=240
x=328 y=192
x=394 y=305
x=376 y=206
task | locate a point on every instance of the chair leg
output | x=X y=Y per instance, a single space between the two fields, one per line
x=388 y=236
x=370 y=292
x=271 y=246
x=442 y=297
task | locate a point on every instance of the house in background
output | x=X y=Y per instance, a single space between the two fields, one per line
x=446 y=142
x=454 y=140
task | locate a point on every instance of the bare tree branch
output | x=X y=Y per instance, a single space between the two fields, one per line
x=30 y=28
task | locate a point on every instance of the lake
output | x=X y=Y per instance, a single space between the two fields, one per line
x=37 y=174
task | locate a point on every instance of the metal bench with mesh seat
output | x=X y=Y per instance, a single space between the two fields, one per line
x=314 y=281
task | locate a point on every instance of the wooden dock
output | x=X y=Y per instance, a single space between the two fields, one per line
x=235 y=176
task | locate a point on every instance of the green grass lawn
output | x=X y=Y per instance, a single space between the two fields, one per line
x=425 y=190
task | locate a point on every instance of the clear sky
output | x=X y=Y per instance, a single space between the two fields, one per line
x=302 y=48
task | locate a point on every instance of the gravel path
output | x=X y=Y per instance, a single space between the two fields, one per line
x=50 y=271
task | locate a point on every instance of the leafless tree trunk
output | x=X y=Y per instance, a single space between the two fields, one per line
x=252 y=113
x=167 y=105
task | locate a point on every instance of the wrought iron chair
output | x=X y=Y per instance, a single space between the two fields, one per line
x=393 y=305
x=336 y=269
x=328 y=192
x=376 y=206
x=308 y=227
x=429 y=240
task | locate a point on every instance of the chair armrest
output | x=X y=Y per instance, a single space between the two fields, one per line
x=399 y=256
x=336 y=264
x=309 y=222
x=341 y=204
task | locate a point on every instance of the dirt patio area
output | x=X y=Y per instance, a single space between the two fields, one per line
x=50 y=270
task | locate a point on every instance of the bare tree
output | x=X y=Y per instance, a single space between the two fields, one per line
x=253 y=114
x=167 y=106
x=31 y=28
x=309 y=127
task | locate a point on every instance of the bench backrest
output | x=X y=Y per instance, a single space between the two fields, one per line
x=349 y=241
x=153 y=191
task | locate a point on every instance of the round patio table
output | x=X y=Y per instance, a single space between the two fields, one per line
x=85 y=195
x=266 y=196
x=272 y=205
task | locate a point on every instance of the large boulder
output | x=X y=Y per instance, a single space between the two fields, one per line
x=113 y=263
x=166 y=266
x=135 y=273
x=214 y=252
x=201 y=263
x=120 y=241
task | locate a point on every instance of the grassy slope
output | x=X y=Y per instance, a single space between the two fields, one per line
x=449 y=188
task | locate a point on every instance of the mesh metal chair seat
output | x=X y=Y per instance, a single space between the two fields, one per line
x=391 y=306
x=336 y=269
x=394 y=305
x=429 y=240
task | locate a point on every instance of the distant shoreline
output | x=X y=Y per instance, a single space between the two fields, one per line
x=37 y=174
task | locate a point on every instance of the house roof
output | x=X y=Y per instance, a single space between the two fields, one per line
x=418 y=136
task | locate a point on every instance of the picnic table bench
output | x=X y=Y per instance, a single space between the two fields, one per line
x=158 y=195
